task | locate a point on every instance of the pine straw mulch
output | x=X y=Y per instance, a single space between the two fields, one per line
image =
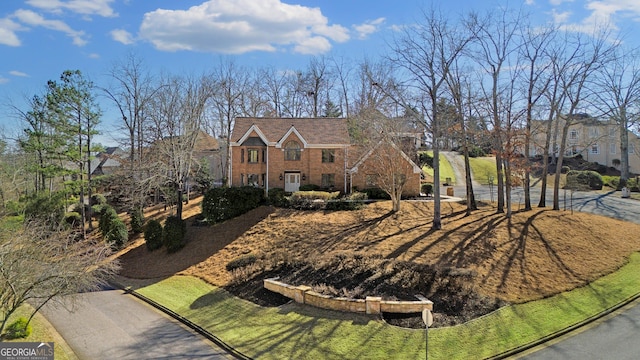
x=491 y=259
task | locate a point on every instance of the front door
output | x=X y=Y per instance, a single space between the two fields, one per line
x=291 y=181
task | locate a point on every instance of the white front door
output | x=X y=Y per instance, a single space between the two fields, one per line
x=291 y=182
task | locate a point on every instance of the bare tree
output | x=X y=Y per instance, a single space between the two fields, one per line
x=132 y=92
x=58 y=265
x=495 y=42
x=427 y=51
x=231 y=84
x=177 y=118
x=536 y=82
x=595 y=51
x=383 y=156
x=619 y=98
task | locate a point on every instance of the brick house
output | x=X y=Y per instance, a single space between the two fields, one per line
x=289 y=152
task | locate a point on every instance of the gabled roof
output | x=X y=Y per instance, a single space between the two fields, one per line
x=362 y=157
x=312 y=131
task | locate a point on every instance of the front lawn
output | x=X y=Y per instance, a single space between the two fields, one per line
x=301 y=332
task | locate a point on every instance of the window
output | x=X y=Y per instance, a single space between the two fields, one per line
x=264 y=155
x=594 y=132
x=612 y=148
x=252 y=156
x=595 y=149
x=631 y=149
x=241 y=155
x=612 y=132
x=241 y=179
x=292 y=151
x=328 y=180
x=573 y=134
x=253 y=180
x=328 y=155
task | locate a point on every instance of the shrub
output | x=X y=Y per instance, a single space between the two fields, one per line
x=277 y=197
x=137 y=220
x=611 y=181
x=107 y=215
x=153 y=235
x=174 y=233
x=356 y=195
x=73 y=219
x=565 y=169
x=240 y=262
x=14 y=208
x=117 y=235
x=46 y=207
x=309 y=187
x=377 y=193
x=97 y=199
x=584 y=180
x=476 y=151
x=18 y=329
x=220 y=204
x=311 y=200
x=426 y=189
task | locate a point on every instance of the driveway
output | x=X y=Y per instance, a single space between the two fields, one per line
x=110 y=324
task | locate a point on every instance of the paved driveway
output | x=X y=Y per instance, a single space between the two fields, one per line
x=110 y=325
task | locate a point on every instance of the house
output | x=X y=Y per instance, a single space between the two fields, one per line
x=108 y=161
x=594 y=139
x=290 y=152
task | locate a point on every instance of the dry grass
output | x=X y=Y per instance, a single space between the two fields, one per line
x=533 y=255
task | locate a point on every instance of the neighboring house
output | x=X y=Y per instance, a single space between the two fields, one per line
x=289 y=152
x=108 y=161
x=595 y=140
x=208 y=149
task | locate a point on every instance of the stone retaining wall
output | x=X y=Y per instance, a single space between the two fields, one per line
x=371 y=305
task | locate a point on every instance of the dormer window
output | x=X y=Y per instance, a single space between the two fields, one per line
x=292 y=151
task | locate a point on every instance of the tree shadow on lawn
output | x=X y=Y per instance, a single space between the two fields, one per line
x=204 y=242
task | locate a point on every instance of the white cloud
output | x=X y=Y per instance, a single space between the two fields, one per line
x=368 y=28
x=558 y=2
x=3 y=80
x=606 y=13
x=94 y=56
x=8 y=30
x=18 y=73
x=239 y=26
x=560 y=17
x=84 y=7
x=122 y=36
x=29 y=17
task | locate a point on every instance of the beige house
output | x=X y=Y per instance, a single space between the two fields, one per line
x=595 y=140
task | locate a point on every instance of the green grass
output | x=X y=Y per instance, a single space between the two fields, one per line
x=302 y=332
x=446 y=170
x=43 y=332
x=482 y=169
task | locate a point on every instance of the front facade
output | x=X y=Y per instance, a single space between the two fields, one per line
x=288 y=153
x=595 y=140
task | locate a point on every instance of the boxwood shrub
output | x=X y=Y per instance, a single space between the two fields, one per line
x=174 y=233
x=153 y=235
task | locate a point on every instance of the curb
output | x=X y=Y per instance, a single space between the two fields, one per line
x=200 y=330
x=566 y=330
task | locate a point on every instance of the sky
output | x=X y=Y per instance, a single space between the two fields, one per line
x=39 y=39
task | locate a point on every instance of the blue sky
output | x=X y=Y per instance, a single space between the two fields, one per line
x=41 y=38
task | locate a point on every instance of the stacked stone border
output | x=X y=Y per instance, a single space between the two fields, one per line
x=371 y=305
